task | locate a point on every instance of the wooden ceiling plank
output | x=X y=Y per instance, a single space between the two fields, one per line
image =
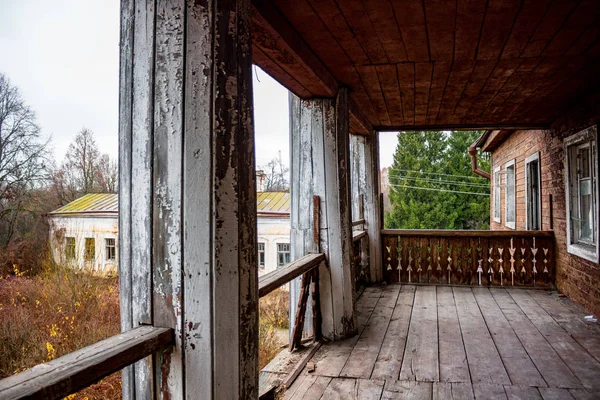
x=501 y=73
x=497 y=104
x=391 y=91
x=360 y=23
x=441 y=72
x=387 y=30
x=543 y=71
x=359 y=123
x=359 y=93
x=411 y=21
x=469 y=20
x=332 y=17
x=276 y=72
x=482 y=71
x=406 y=79
x=368 y=76
x=499 y=21
x=423 y=76
x=441 y=20
x=587 y=39
x=584 y=16
x=555 y=16
x=529 y=18
x=457 y=82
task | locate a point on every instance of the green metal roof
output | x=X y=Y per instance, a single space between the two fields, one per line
x=91 y=203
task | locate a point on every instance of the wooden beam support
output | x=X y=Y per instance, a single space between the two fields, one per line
x=320 y=166
x=460 y=127
x=188 y=200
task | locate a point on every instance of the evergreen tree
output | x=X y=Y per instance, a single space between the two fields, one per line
x=432 y=185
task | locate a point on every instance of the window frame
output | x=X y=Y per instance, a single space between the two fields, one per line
x=86 y=251
x=535 y=157
x=106 y=251
x=70 y=251
x=260 y=252
x=288 y=252
x=584 y=250
x=497 y=185
x=507 y=223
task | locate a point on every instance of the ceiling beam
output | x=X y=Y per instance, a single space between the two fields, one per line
x=359 y=123
x=461 y=127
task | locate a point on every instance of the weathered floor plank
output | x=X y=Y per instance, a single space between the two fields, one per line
x=489 y=391
x=421 y=361
x=353 y=389
x=583 y=365
x=311 y=387
x=453 y=359
x=389 y=360
x=587 y=335
x=555 y=394
x=452 y=391
x=407 y=390
x=330 y=359
x=485 y=363
x=520 y=368
x=549 y=364
x=582 y=394
x=364 y=354
x=522 y=393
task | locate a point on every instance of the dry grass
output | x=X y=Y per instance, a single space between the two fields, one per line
x=54 y=313
x=273 y=315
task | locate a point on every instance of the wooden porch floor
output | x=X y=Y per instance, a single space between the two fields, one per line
x=428 y=342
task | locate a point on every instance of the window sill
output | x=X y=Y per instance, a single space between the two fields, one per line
x=589 y=253
x=510 y=225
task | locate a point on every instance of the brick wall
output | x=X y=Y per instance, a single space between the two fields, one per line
x=576 y=277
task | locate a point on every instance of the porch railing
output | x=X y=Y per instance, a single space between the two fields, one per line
x=499 y=258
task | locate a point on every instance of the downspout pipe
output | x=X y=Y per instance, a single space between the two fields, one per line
x=473 y=153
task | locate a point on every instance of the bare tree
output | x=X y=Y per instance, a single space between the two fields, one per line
x=23 y=160
x=275 y=176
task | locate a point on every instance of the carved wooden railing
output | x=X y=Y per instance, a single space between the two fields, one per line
x=72 y=372
x=308 y=267
x=500 y=258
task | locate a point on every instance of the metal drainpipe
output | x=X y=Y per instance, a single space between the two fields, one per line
x=473 y=153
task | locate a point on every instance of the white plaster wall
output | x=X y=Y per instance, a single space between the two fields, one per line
x=81 y=227
x=272 y=231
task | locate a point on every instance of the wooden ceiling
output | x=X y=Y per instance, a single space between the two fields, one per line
x=434 y=63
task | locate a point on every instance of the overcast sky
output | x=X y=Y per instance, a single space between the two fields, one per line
x=64 y=57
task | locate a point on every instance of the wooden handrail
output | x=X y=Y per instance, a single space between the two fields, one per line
x=358 y=222
x=74 y=371
x=357 y=235
x=272 y=280
x=463 y=233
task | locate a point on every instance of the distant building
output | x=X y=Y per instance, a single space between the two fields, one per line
x=273 y=219
x=84 y=233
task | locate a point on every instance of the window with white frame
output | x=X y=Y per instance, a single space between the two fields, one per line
x=111 y=249
x=581 y=169
x=497 y=212
x=70 y=248
x=283 y=254
x=261 y=255
x=509 y=169
x=533 y=196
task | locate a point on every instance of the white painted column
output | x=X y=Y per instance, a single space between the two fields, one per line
x=320 y=166
x=187 y=197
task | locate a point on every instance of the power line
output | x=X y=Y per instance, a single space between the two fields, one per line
x=439 y=174
x=442 y=181
x=441 y=190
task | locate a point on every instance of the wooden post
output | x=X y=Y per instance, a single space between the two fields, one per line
x=320 y=166
x=187 y=197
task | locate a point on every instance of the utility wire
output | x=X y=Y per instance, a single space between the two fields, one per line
x=442 y=181
x=434 y=173
x=441 y=190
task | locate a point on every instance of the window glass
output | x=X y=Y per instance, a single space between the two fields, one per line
x=283 y=254
x=497 y=195
x=533 y=195
x=510 y=195
x=70 y=248
x=261 y=255
x=90 y=249
x=111 y=249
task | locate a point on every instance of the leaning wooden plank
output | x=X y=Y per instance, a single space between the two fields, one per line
x=453 y=391
x=421 y=358
x=271 y=281
x=407 y=390
x=518 y=364
x=515 y=392
x=550 y=365
x=308 y=353
x=362 y=359
x=300 y=312
x=485 y=363
x=389 y=360
x=74 y=371
x=453 y=359
x=583 y=365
